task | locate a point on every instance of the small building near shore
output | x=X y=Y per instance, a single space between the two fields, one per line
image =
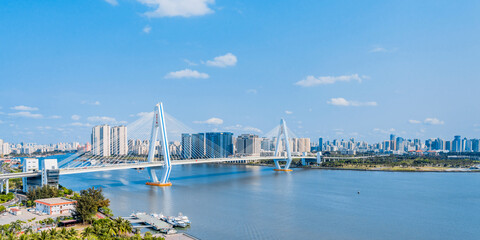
x=53 y=206
x=16 y=211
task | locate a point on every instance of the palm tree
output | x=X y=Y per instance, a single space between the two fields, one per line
x=44 y=235
x=28 y=230
x=87 y=232
x=54 y=233
x=64 y=233
x=15 y=226
x=72 y=233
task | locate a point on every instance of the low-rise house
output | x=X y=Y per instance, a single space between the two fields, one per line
x=53 y=206
x=16 y=211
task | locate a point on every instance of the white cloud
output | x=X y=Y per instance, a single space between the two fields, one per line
x=79 y=124
x=26 y=115
x=190 y=63
x=187 y=73
x=147 y=29
x=378 y=49
x=433 y=121
x=212 y=121
x=226 y=60
x=55 y=117
x=311 y=81
x=75 y=117
x=178 y=8
x=1 y=122
x=252 y=129
x=239 y=127
x=288 y=112
x=102 y=119
x=428 y=121
x=112 y=2
x=344 y=102
x=91 y=102
x=252 y=91
x=41 y=128
x=24 y=108
x=141 y=114
x=383 y=131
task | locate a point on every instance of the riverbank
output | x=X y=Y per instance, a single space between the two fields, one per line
x=373 y=168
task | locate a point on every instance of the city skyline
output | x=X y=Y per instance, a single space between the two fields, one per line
x=66 y=67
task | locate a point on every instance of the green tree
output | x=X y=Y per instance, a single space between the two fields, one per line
x=89 y=202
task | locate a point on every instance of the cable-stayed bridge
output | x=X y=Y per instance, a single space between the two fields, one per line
x=147 y=147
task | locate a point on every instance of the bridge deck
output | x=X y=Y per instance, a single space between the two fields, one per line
x=121 y=166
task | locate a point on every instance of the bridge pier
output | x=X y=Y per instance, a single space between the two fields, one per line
x=7 y=186
x=282 y=131
x=319 y=158
x=159 y=125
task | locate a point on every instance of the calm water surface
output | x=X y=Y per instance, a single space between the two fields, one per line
x=251 y=202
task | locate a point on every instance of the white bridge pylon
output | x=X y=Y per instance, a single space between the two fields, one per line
x=282 y=131
x=159 y=125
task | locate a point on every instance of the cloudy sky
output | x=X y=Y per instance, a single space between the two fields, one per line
x=336 y=69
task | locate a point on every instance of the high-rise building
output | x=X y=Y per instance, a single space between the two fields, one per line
x=101 y=142
x=266 y=144
x=301 y=145
x=475 y=145
x=186 y=145
x=31 y=165
x=248 y=145
x=119 y=140
x=393 y=144
x=457 y=144
x=400 y=144
x=320 y=144
x=467 y=147
x=448 y=145
x=198 y=145
x=218 y=144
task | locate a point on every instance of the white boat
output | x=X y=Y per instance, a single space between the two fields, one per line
x=180 y=224
x=160 y=217
x=183 y=218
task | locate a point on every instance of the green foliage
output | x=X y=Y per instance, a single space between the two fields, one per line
x=107 y=211
x=100 y=229
x=403 y=161
x=6 y=197
x=2 y=208
x=45 y=191
x=89 y=202
x=15 y=183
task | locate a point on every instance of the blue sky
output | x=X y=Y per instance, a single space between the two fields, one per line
x=336 y=69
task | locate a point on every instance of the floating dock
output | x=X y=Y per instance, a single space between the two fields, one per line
x=150 y=221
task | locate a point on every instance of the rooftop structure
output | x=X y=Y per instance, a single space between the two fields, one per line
x=52 y=206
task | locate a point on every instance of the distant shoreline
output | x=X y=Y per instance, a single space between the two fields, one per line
x=379 y=169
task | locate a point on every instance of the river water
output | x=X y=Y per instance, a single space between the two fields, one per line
x=253 y=202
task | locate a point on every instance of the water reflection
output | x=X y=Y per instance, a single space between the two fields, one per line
x=251 y=202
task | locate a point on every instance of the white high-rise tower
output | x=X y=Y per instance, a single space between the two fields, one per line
x=119 y=140
x=101 y=142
